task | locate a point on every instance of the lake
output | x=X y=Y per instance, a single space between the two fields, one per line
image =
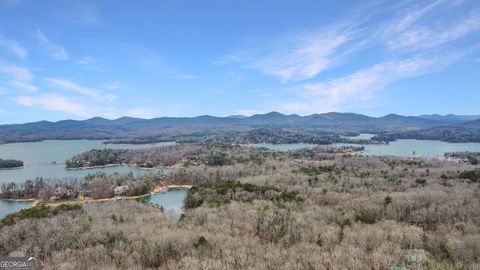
x=171 y=201
x=402 y=148
x=362 y=136
x=47 y=159
x=282 y=147
x=425 y=148
x=296 y=146
x=7 y=207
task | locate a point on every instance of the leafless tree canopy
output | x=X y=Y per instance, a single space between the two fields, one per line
x=355 y=213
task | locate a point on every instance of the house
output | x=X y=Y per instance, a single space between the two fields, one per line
x=120 y=190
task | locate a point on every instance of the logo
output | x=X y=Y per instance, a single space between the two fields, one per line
x=19 y=263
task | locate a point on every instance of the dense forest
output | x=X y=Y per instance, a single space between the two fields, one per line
x=252 y=208
x=253 y=136
x=10 y=163
x=205 y=153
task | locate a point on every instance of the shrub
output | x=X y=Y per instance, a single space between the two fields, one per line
x=387 y=200
x=202 y=242
x=313 y=171
x=472 y=175
x=365 y=218
x=420 y=182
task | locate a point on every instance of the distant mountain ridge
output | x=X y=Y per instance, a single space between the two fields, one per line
x=272 y=118
x=450 y=117
x=325 y=123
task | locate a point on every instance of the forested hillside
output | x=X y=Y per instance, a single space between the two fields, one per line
x=260 y=209
x=289 y=128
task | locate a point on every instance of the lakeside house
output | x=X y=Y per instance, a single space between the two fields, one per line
x=120 y=190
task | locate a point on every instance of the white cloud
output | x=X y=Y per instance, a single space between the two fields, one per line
x=56 y=51
x=71 y=86
x=414 y=26
x=27 y=87
x=359 y=88
x=20 y=78
x=13 y=47
x=25 y=101
x=87 y=60
x=16 y=72
x=184 y=77
x=425 y=37
x=305 y=58
x=297 y=56
x=249 y=112
x=57 y=103
x=78 y=13
x=114 y=85
x=235 y=57
x=412 y=16
x=142 y=112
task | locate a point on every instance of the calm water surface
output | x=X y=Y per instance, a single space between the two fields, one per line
x=171 y=201
x=362 y=136
x=47 y=159
x=7 y=207
x=402 y=148
x=426 y=148
x=296 y=146
x=282 y=147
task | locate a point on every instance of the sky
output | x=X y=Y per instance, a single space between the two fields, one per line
x=64 y=59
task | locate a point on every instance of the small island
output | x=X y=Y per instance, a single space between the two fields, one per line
x=10 y=164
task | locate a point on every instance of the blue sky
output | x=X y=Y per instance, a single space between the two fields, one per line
x=78 y=59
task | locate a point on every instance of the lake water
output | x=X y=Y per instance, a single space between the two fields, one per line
x=426 y=148
x=362 y=136
x=296 y=146
x=402 y=148
x=171 y=201
x=47 y=159
x=282 y=147
x=7 y=207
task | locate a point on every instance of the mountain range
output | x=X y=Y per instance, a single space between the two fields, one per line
x=333 y=122
x=271 y=119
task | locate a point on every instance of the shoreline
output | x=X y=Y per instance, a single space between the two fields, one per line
x=157 y=189
x=18 y=200
x=118 y=165
x=13 y=168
